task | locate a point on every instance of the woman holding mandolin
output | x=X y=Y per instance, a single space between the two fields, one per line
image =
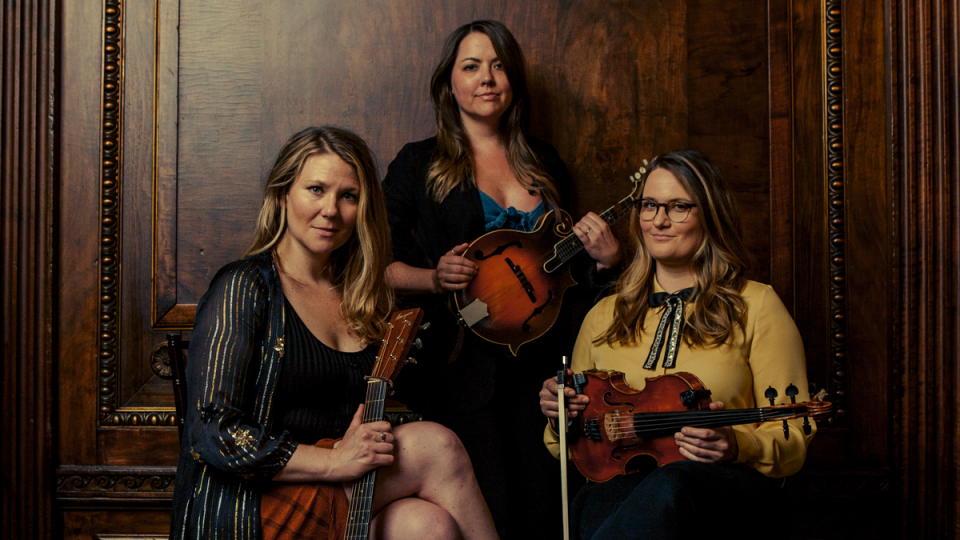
x=480 y=173
x=282 y=342
x=683 y=305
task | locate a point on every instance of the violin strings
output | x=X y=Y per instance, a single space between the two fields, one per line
x=650 y=423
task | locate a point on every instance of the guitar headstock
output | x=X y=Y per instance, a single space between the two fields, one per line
x=401 y=331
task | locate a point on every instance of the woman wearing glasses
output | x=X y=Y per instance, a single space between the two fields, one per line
x=737 y=337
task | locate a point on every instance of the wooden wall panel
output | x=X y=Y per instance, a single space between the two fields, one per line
x=925 y=201
x=169 y=122
x=28 y=83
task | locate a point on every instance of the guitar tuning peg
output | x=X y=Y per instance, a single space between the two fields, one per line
x=411 y=360
x=786 y=431
x=813 y=388
x=792 y=392
x=771 y=394
x=806 y=426
x=418 y=344
x=425 y=326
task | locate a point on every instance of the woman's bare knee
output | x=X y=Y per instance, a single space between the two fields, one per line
x=414 y=519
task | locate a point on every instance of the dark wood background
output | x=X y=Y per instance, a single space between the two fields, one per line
x=136 y=138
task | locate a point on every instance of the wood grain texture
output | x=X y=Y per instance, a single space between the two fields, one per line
x=28 y=76
x=926 y=371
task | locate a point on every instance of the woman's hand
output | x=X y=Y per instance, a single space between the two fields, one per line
x=549 y=404
x=598 y=240
x=364 y=447
x=708 y=445
x=453 y=272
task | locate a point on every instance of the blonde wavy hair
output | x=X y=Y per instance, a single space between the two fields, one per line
x=718 y=263
x=453 y=163
x=359 y=265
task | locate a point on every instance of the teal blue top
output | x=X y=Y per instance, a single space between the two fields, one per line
x=496 y=217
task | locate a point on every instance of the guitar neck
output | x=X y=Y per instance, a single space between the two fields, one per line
x=659 y=424
x=571 y=245
x=361 y=499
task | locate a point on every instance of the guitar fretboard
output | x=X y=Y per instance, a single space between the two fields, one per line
x=571 y=245
x=361 y=500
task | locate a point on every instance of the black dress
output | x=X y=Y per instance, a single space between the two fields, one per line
x=488 y=398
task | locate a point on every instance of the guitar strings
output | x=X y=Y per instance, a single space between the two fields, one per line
x=361 y=502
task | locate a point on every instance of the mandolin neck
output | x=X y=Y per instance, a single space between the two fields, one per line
x=659 y=424
x=361 y=499
x=571 y=245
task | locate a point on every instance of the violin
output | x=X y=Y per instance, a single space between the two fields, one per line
x=522 y=276
x=621 y=423
x=395 y=346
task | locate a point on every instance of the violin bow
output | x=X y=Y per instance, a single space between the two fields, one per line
x=562 y=430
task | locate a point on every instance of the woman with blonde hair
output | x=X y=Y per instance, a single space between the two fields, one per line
x=483 y=172
x=282 y=342
x=684 y=304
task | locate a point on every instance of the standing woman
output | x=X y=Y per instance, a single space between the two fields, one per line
x=482 y=172
x=282 y=342
x=736 y=336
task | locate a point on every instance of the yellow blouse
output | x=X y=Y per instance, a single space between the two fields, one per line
x=768 y=353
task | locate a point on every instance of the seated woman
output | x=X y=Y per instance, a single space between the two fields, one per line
x=282 y=342
x=737 y=337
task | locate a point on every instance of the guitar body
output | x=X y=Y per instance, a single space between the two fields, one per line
x=610 y=395
x=521 y=297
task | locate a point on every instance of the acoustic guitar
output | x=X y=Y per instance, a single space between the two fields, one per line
x=621 y=423
x=396 y=345
x=516 y=295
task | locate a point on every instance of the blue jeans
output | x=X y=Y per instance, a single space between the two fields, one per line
x=686 y=499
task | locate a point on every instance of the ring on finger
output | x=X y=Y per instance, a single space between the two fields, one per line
x=383 y=436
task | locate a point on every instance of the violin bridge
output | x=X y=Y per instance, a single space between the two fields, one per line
x=618 y=427
x=474 y=312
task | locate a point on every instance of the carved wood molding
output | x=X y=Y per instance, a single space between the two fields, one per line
x=836 y=232
x=926 y=198
x=29 y=70
x=98 y=485
x=110 y=203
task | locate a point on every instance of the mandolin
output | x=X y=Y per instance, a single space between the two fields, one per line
x=396 y=345
x=621 y=423
x=515 y=296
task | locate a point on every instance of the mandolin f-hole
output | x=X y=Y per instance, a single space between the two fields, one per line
x=500 y=249
x=538 y=310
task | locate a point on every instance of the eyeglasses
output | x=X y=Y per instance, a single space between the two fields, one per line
x=677 y=211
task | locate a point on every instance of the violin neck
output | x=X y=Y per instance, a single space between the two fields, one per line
x=658 y=424
x=361 y=498
x=571 y=245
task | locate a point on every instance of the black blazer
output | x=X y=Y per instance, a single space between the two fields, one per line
x=422 y=231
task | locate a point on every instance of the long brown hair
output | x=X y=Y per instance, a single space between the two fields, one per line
x=453 y=163
x=360 y=264
x=718 y=263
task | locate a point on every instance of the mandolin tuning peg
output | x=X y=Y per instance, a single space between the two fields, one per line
x=786 y=430
x=792 y=392
x=425 y=326
x=411 y=360
x=806 y=426
x=813 y=388
x=771 y=394
x=418 y=344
